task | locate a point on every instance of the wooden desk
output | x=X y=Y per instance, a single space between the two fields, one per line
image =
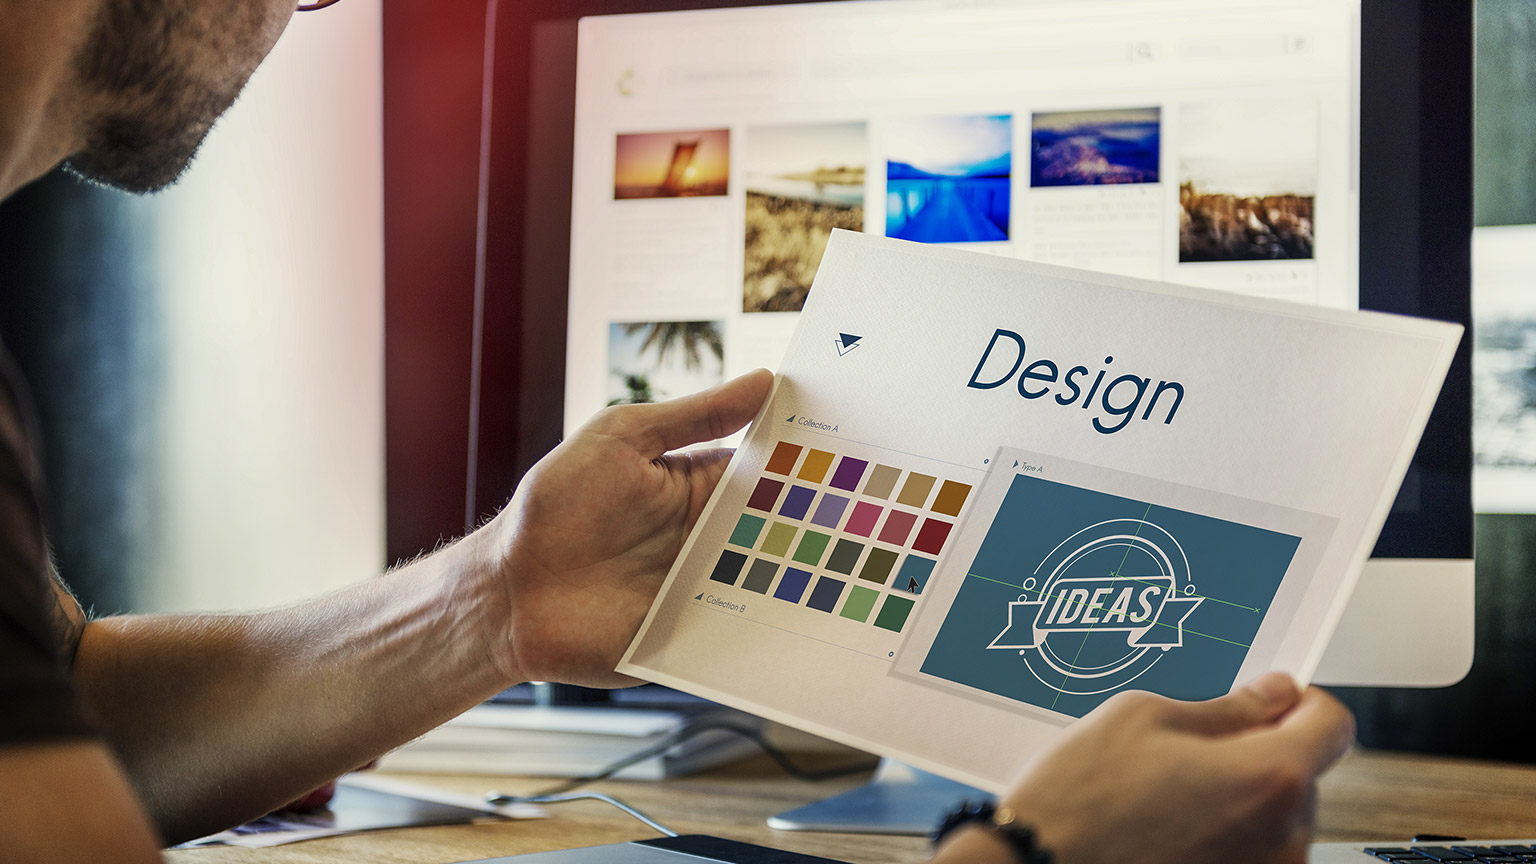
x=1369 y=796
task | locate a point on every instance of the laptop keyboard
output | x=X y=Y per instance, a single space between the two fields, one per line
x=1458 y=854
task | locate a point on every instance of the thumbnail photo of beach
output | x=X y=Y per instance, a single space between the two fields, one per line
x=802 y=181
x=1247 y=179
x=949 y=179
x=649 y=361
x=672 y=164
x=1091 y=148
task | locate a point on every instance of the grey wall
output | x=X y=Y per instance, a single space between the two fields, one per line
x=80 y=314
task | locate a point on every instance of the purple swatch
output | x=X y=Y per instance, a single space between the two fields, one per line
x=830 y=512
x=797 y=502
x=849 y=472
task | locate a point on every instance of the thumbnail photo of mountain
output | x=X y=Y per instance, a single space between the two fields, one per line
x=672 y=164
x=802 y=181
x=1091 y=148
x=1247 y=179
x=649 y=361
x=949 y=179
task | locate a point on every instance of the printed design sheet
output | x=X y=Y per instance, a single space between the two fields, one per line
x=987 y=495
x=1065 y=591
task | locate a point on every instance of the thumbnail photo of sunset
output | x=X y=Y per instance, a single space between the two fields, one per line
x=672 y=164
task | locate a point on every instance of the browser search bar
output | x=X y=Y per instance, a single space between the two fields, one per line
x=1245 y=47
x=1025 y=58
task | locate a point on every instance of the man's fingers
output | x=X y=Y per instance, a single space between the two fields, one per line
x=1261 y=701
x=1319 y=730
x=714 y=413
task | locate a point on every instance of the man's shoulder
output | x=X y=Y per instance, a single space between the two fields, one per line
x=40 y=621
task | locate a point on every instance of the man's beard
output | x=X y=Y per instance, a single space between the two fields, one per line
x=137 y=59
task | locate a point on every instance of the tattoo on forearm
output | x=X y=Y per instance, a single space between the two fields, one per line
x=67 y=617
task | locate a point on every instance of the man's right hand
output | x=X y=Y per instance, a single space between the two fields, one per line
x=1148 y=779
x=593 y=529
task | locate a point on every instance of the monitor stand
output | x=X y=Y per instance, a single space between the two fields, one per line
x=899 y=800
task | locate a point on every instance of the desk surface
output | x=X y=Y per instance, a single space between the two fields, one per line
x=1369 y=796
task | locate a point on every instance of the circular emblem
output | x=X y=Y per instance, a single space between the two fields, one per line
x=1102 y=608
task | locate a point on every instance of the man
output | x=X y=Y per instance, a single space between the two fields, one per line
x=120 y=734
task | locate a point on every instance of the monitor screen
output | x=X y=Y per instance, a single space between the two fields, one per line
x=1310 y=150
x=1193 y=141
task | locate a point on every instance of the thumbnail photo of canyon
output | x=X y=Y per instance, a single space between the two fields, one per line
x=1092 y=148
x=949 y=179
x=1247 y=180
x=649 y=361
x=672 y=164
x=802 y=181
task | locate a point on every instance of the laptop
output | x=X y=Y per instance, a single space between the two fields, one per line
x=694 y=848
x=703 y=848
x=1449 y=851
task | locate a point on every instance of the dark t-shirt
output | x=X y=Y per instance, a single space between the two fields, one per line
x=37 y=698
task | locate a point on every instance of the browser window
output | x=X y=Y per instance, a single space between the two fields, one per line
x=1205 y=143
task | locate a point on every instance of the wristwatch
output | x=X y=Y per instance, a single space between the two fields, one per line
x=1001 y=821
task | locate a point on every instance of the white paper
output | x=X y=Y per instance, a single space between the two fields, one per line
x=284 y=827
x=1210 y=471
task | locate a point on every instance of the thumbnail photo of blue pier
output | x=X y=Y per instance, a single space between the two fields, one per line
x=949 y=179
x=1093 y=148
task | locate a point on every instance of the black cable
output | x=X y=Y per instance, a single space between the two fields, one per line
x=683 y=734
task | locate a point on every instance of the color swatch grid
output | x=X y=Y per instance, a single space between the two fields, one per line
x=841 y=535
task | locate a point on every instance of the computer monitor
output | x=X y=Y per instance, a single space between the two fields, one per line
x=1313 y=150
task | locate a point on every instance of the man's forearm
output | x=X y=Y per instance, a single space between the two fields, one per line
x=221 y=718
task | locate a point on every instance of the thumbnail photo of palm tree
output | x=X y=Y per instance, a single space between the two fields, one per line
x=802 y=181
x=949 y=179
x=672 y=164
x=1092 y=148
x=649 y=361
x=1247 y=179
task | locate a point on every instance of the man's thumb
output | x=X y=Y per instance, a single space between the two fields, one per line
x=1261 y=701
x=714 y=413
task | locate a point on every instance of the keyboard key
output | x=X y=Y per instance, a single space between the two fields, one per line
x=1442 y=853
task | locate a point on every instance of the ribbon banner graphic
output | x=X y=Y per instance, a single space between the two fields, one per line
x=1146 y=609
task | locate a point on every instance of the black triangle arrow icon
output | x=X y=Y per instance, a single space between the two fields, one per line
x=849 y=339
